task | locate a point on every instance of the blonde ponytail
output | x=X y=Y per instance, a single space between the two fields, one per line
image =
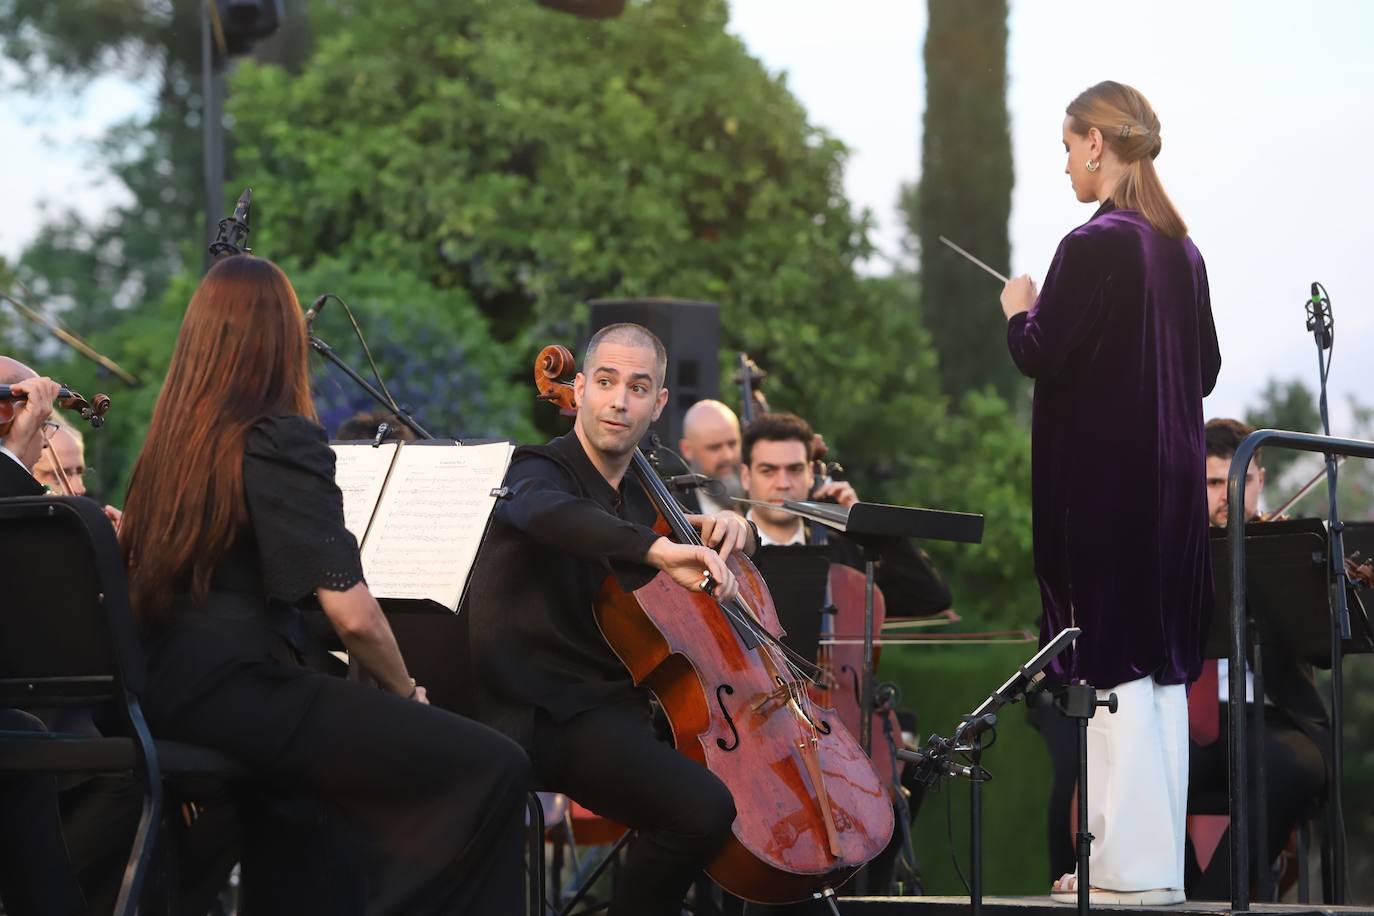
x=1130 y=128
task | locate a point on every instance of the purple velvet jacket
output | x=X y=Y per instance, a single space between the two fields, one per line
x=1122 y=348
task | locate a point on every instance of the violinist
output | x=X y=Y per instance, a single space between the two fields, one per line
x=710 y=444
x=1122 y=329
x=36 y=874
x=776 y=448
x=546 y=676
x=233 y=520
x=21 y=445
x=1296 y=727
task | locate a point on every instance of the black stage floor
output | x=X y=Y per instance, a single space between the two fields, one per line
x=1044 y=906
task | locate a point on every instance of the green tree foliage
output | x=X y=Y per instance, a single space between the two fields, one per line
x=522 y=162
x=91 y=272
x=1284 y=405
x=965 y=192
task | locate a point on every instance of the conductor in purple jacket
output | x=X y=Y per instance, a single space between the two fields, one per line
x=1123 y=349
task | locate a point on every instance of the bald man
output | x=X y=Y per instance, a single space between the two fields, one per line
x=22 y=444
x=710 y=443
x=36 y=875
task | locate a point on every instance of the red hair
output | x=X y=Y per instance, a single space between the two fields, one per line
x=241 y=356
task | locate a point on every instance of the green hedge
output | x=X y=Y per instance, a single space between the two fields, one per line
x=941 y=683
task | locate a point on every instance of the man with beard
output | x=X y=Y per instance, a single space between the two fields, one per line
x=710 y=444
x=1296 y=726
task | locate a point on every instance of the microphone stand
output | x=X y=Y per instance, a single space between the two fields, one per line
x=1321 y=323
x=322 y=348
x=232 y=239
x=933 y=761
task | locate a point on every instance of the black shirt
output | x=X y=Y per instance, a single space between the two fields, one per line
x=294 y=542
x=15 y=480
x=560 y=531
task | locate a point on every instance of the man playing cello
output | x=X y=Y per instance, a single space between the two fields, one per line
x=544 y=673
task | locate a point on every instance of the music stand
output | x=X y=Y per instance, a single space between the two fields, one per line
x=797 y=577
x=867 y=524
x=1288 y=607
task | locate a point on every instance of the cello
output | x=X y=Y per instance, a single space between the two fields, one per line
x=810 y=810
x=839 y=684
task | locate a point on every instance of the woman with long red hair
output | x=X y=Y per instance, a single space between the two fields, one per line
x=1122 y=347
x=232 y=520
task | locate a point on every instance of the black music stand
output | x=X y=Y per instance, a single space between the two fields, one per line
x=1288 y=605
x=797 y=577
x=867 y=524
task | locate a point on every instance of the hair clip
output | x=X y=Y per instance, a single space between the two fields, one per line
x=1125 y=131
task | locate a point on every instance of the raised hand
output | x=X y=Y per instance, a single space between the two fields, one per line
x=725 y=531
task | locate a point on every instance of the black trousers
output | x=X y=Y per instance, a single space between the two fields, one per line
x=36 y=875
x=610 y=760
x=1060 y=734
x=100 y=815
x=433 y=801
x=1295 y=775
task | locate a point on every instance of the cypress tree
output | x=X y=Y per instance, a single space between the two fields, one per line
x=965 y=193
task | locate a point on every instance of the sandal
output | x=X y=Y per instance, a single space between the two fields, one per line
x=1065 y=890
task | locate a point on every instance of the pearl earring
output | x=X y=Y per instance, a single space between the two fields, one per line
x=1092 y=165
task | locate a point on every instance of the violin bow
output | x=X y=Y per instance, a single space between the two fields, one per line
x=1302 y=491
x=59 y=472
x=70 y=339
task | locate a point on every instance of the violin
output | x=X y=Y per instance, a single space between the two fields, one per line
x=810 y=809
x=92 y=411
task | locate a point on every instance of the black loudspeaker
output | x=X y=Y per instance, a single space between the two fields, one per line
x=691 y=333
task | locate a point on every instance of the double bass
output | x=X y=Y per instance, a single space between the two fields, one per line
x=810 y=809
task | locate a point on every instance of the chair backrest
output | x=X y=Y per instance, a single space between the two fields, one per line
x=67 y=636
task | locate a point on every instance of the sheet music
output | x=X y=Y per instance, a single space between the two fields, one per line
x=425 y=534
x=360 y=471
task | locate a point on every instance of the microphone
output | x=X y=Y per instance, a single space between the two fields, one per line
x=314 y=311
x=975 y=727
x=233 y=230
x=688 y=481
x=1319 y=315
x=930 y=765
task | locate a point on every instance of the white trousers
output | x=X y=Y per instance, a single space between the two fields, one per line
x=1138 y=787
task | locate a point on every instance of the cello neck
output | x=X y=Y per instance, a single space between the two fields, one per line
x=667 y=506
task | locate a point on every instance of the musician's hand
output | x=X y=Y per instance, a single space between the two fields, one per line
x=836 y=491
x=25 y=438
x=115 y=516
x=1361 y=573
x=420 y=695
x=725 y=531
x=689 y=566
x=1018 y=295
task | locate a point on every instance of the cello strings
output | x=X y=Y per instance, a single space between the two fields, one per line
x=793 y=660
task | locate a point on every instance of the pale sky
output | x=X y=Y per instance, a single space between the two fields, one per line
x=1266 y=121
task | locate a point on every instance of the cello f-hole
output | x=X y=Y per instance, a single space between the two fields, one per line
x=734 y=732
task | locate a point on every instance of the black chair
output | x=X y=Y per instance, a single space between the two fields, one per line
x=67 y=639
